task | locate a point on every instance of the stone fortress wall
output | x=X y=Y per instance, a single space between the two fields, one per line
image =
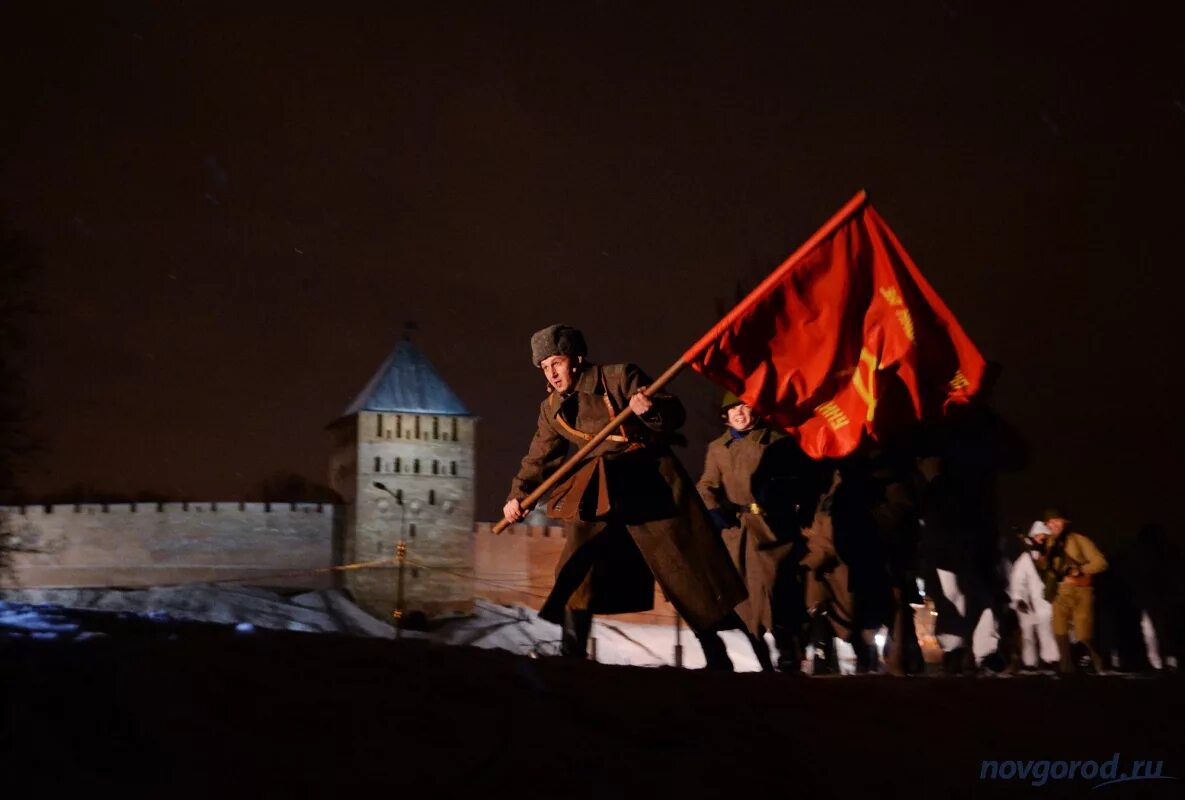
x=281 y=545
x=155 y=544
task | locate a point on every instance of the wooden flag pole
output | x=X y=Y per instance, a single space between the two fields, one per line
x=592 y=443
x=838 y=219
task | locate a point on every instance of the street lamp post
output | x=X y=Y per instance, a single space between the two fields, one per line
x=400 y=550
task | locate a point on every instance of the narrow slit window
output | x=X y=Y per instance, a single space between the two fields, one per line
x=415 y=467
x=431 y=497
x=379 y=426
x=378 y=464
x=399 y=426
x=452 y=468
x=454 y=429
x=417 y=436
x=435 y=467
x=398 y=464
x=411 y=530
x=435 y=428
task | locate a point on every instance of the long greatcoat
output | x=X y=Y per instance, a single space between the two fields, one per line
x=630 y=512
x=827 y=578
x=727 y=484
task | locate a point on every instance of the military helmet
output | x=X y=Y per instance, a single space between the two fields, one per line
x=729 y=401
x=1055 y=513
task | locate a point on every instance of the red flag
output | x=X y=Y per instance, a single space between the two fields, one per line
x=845 y=338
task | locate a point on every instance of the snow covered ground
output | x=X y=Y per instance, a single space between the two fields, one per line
x=45 y=613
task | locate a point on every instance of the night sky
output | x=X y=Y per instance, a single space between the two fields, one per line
x=237 y=212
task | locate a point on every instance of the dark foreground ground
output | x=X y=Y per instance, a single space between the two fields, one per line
x=199 y=710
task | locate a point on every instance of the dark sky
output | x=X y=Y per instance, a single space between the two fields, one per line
x=237 y=211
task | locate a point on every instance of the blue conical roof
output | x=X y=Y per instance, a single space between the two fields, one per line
x=406 y=383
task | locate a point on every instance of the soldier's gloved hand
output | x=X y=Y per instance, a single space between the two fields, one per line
x=722 y=520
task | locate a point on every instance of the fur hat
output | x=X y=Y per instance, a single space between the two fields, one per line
x=557 y=340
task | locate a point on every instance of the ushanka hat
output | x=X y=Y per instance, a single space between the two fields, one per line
x=557 y=340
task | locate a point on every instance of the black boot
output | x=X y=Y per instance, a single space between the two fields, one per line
x=826 y=661
x=761 y=650
x=715 y=653
x=867 y=658
x=790 y=653
x=1065 y=655
x=954 y=662
x=577 y=624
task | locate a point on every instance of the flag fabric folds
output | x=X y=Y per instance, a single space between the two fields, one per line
x=844 y=340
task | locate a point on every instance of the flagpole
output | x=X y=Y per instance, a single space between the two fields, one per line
x=838 y=219
x=593 y=443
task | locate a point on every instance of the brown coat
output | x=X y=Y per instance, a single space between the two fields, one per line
x=629 y=511
x=827 y=578
x=727 y=485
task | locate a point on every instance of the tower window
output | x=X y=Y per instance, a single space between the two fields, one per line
x=435 y=428
x=399 y=426
x=415 y=467
x=417 y=436
x=431 y=497
x=379 y=430
x=378 y=464
x=398 y=464
x=411 y=530
x=452 y=468
x=435 y=467
x=454 y=429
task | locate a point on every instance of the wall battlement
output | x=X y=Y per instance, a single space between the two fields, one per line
x=220 y=507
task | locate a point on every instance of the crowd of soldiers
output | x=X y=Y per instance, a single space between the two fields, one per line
x=798 y=550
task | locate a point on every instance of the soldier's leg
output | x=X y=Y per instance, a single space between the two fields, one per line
x=1062 y=610
x=789 y=617
x=1047 y=646
x=903 y=654
x=715 y=653
x=864 y=644
x=826 y=659
x=761 y=650
x=1084 y=624
x=1028 y=634
x=577 y=624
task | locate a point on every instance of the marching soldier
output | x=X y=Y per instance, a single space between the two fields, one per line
x=1069 y=561
x=629 y=512
x=740 y=501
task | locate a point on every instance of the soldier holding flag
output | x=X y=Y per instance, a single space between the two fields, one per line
x=630 y=511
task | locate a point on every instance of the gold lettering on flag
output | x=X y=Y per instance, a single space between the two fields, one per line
x=866 y=388
x=959 y=381
x=833 y=414
x=892 y=296
x=906 y=322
